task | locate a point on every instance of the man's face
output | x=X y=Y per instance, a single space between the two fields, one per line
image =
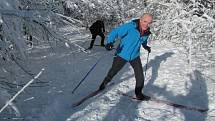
x=145 y=21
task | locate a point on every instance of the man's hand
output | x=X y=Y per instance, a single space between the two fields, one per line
x=109 y=46
x=147 y=48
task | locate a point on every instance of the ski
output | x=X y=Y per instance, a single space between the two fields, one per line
x=90 y=95
x=85 y=98
x=87 y=49
x=175 y=105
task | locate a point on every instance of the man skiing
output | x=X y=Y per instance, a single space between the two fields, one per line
x=97 y=28
x=133 y=35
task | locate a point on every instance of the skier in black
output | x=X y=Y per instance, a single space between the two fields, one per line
x=97 y=28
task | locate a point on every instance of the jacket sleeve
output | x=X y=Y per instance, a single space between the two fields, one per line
x=146 y=37
x=145 y=41
x=118 y=32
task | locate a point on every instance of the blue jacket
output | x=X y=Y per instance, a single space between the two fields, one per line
x=131 y=40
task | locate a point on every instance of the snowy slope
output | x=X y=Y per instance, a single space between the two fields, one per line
x=167 y=78
x=50 y=97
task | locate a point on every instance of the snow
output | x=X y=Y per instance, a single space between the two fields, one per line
x=169 y=75
x=167 y=78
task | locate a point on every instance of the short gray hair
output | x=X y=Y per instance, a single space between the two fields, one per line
x=147 y=14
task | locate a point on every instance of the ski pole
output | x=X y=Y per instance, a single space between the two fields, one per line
x=87 y=74
x=146 y=65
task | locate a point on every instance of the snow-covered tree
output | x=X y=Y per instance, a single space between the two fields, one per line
x=186 y=23
x=21 y=23
x=113 y=12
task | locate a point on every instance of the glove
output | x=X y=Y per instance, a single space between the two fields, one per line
x=147 y=48
x=109 y=46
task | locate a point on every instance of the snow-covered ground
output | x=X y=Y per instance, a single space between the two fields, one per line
x=167 y=78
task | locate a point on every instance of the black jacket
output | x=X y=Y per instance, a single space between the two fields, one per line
x=97 y=27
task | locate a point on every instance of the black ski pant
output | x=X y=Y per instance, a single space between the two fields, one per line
x=94 y=37
x=136 y=64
